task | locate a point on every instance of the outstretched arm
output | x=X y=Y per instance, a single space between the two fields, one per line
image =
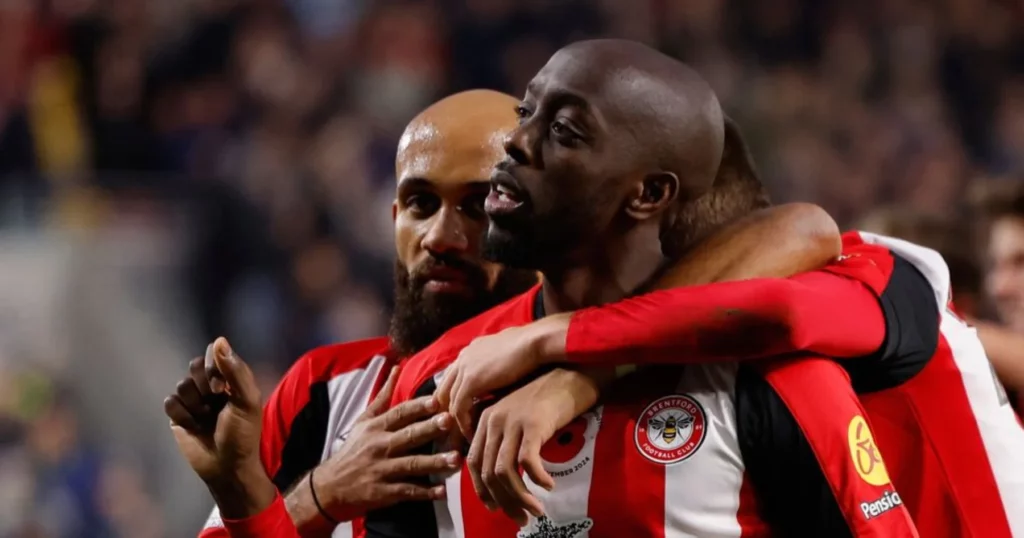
x=778 y=241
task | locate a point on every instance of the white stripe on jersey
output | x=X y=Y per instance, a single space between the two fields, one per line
x=448 y=511
x=349 y=395
x=573 y=479
x=702 y=493
x=1001 y=434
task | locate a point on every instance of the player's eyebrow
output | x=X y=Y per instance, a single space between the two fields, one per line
x=418 y=183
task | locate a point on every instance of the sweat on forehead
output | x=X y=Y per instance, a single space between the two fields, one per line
x=665 y=105
x=466 y=126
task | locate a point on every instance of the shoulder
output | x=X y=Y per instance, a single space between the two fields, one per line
x=867 y=262
x=322 y=364
x=325 y=362
x=436 y=357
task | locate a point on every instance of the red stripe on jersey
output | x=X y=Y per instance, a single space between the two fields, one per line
x=751 y=525
x=477 y=520
x=624 y=481
x=842 y=441
x=946 y=470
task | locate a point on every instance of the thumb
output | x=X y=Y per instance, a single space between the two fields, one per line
x=242 y=390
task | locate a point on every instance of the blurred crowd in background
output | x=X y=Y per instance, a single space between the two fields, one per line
x=175 y=170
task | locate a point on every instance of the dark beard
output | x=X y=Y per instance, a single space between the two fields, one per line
x=420 y=318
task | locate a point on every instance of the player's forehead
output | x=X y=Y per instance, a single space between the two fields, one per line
x=586 y=79
x=450 y=154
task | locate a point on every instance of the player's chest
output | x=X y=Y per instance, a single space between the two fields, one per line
x=659 y=458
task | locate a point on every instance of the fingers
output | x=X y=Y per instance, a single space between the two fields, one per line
x=383 y=399
x=474 y=460
x=495 y=474
x=529 y=459
x=188 y=392
x=423 y=465
x=242 y=389
x=396 y=493
x=408 y=412
x=444 y=390
x=510 y=480
x=197 y=371
x=418 y=434
x=175 y=410
x=461 y=408
x=213 y=375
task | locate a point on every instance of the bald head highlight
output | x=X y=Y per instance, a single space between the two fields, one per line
x=469 y=126
x=674 y=116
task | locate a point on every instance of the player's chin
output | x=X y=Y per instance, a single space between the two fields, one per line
x=511 y=245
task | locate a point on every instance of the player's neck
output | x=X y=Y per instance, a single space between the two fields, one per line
x=615 y=271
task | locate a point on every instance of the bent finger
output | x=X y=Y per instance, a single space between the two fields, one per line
x=474 y=462
x=512 y=479
x=175 y=410
x=530 y=461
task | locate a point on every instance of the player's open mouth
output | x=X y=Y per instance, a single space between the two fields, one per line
x=505 y=195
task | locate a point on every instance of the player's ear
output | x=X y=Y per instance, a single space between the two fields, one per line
x=653 y=195
x=394 y=210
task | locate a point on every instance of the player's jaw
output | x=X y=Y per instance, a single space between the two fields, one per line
x=537 y=217
x=444 y=291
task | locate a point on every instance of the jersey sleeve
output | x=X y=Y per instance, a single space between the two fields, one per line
x=273 y=522
x=869 y=305
x=820 y=475
x=294 y=430
x=751 y=319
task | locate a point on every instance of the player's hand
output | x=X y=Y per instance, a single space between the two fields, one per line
x=497 y=361
x=217 y=428
x=374 y=466
x=512 y=431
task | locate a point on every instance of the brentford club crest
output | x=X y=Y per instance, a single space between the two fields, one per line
x=671 y=429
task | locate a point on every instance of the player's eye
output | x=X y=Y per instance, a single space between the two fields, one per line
x=522 y=113
x=422 y=205
x=564 y=134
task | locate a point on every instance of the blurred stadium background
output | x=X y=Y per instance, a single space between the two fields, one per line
x=175 y=170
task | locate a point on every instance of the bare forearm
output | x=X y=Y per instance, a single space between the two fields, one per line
x=776 y=242
x=303 y=511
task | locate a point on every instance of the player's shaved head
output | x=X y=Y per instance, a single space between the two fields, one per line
x=614 y=137
x=670 y=112
x=451 y=138
x=443 y=161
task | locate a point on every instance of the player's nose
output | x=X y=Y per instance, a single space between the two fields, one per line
x=446 y=232
x=519 y=144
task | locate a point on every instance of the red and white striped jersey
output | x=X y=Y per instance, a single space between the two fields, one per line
x=975 y=442
x=938 y=414
x=311 y=410
x=703 y=450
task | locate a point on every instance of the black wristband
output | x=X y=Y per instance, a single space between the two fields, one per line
x=317 y=501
